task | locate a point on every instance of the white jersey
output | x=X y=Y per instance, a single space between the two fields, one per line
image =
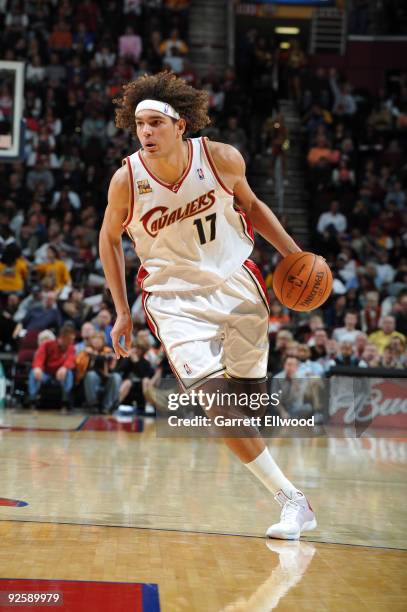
x=188 y=235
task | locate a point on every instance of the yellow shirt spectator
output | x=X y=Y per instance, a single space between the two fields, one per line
x=13 y=275
x=54 y=268
x=382 y=337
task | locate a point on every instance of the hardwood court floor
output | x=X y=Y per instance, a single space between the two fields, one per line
x=183 y=495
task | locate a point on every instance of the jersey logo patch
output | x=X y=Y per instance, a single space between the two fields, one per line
x=200 y=174
x=143 y=187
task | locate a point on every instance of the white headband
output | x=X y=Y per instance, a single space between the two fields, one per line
x=161 y=107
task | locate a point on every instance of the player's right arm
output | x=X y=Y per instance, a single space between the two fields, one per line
x=112 y=257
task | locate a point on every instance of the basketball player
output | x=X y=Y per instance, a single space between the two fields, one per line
x=204 y=299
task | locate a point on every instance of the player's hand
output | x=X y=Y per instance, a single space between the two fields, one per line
x=122 y=327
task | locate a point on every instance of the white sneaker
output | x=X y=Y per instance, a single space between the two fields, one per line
x=296 y=516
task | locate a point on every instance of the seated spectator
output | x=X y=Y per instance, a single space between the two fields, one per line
x=44 y=315
x=308 y=368
x=333 y=221
x=68 y=195
x=133 y=370
x=343 y=176
x=346 y=356
x=329 y=361
x=8 y=322
x=54 y=268
x=387 y=330
x=103 y=322
x=87 y=331
x=322 y=153
x=349 y=332
x=45 y=335
x=130 y=45
x=172 y=43
x=399 y=351
x=360 y=345
x=298 y=396
x=370 y=357
x=61 y=37
x=76 y=309
x=371 y=313
x=13 y=270
x=318 y=346
x=54 y=360
x=385 y=271
x=396 y=194
x=400 y=312
x=40 y=174
x=95 y=365
x=380 y=119
x=389 y=359
x=276 y=354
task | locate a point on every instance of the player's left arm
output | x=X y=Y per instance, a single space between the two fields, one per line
x=232 y=168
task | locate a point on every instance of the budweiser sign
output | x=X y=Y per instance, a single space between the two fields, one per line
x=375 y=402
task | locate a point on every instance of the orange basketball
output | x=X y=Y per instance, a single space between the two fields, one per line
x=302 y=281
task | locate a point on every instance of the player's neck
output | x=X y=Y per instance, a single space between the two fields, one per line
x=170 y=169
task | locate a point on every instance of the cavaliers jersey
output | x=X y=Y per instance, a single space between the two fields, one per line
x=188 y=235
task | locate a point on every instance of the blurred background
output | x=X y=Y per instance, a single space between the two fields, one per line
x=312 y=93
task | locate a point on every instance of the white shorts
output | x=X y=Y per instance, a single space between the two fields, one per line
x=215 y=332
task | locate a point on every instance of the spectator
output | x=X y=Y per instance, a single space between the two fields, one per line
x=360 y=345
x=46 y=315
x=130 y=45
x=346 y=357
x=95 y=365
x=40 y=175
x=348 y=333
x=173 y=43
x=54 y=360
x=102 y=322
x=55 y=269
x=318 y=348
x=133 y=370
x=370 y=357
x=389 y=359
x=13 y=270
x=298 y=395
x=370 y=315
x=400 y=312
x=333 y=221
x=399 y=351
x=308 y=368
x=87 y=330
x=387 y=330
x=329 y=361
x=344 y=102
x=277 y=353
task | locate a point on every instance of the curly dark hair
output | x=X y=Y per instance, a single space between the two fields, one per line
x=192 y=104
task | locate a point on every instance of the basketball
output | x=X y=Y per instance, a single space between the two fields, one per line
x=302 y=281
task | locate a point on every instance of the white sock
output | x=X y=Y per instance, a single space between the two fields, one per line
x=266 y=469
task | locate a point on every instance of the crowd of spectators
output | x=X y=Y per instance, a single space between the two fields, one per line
x=354 y=155
x=77 y=56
